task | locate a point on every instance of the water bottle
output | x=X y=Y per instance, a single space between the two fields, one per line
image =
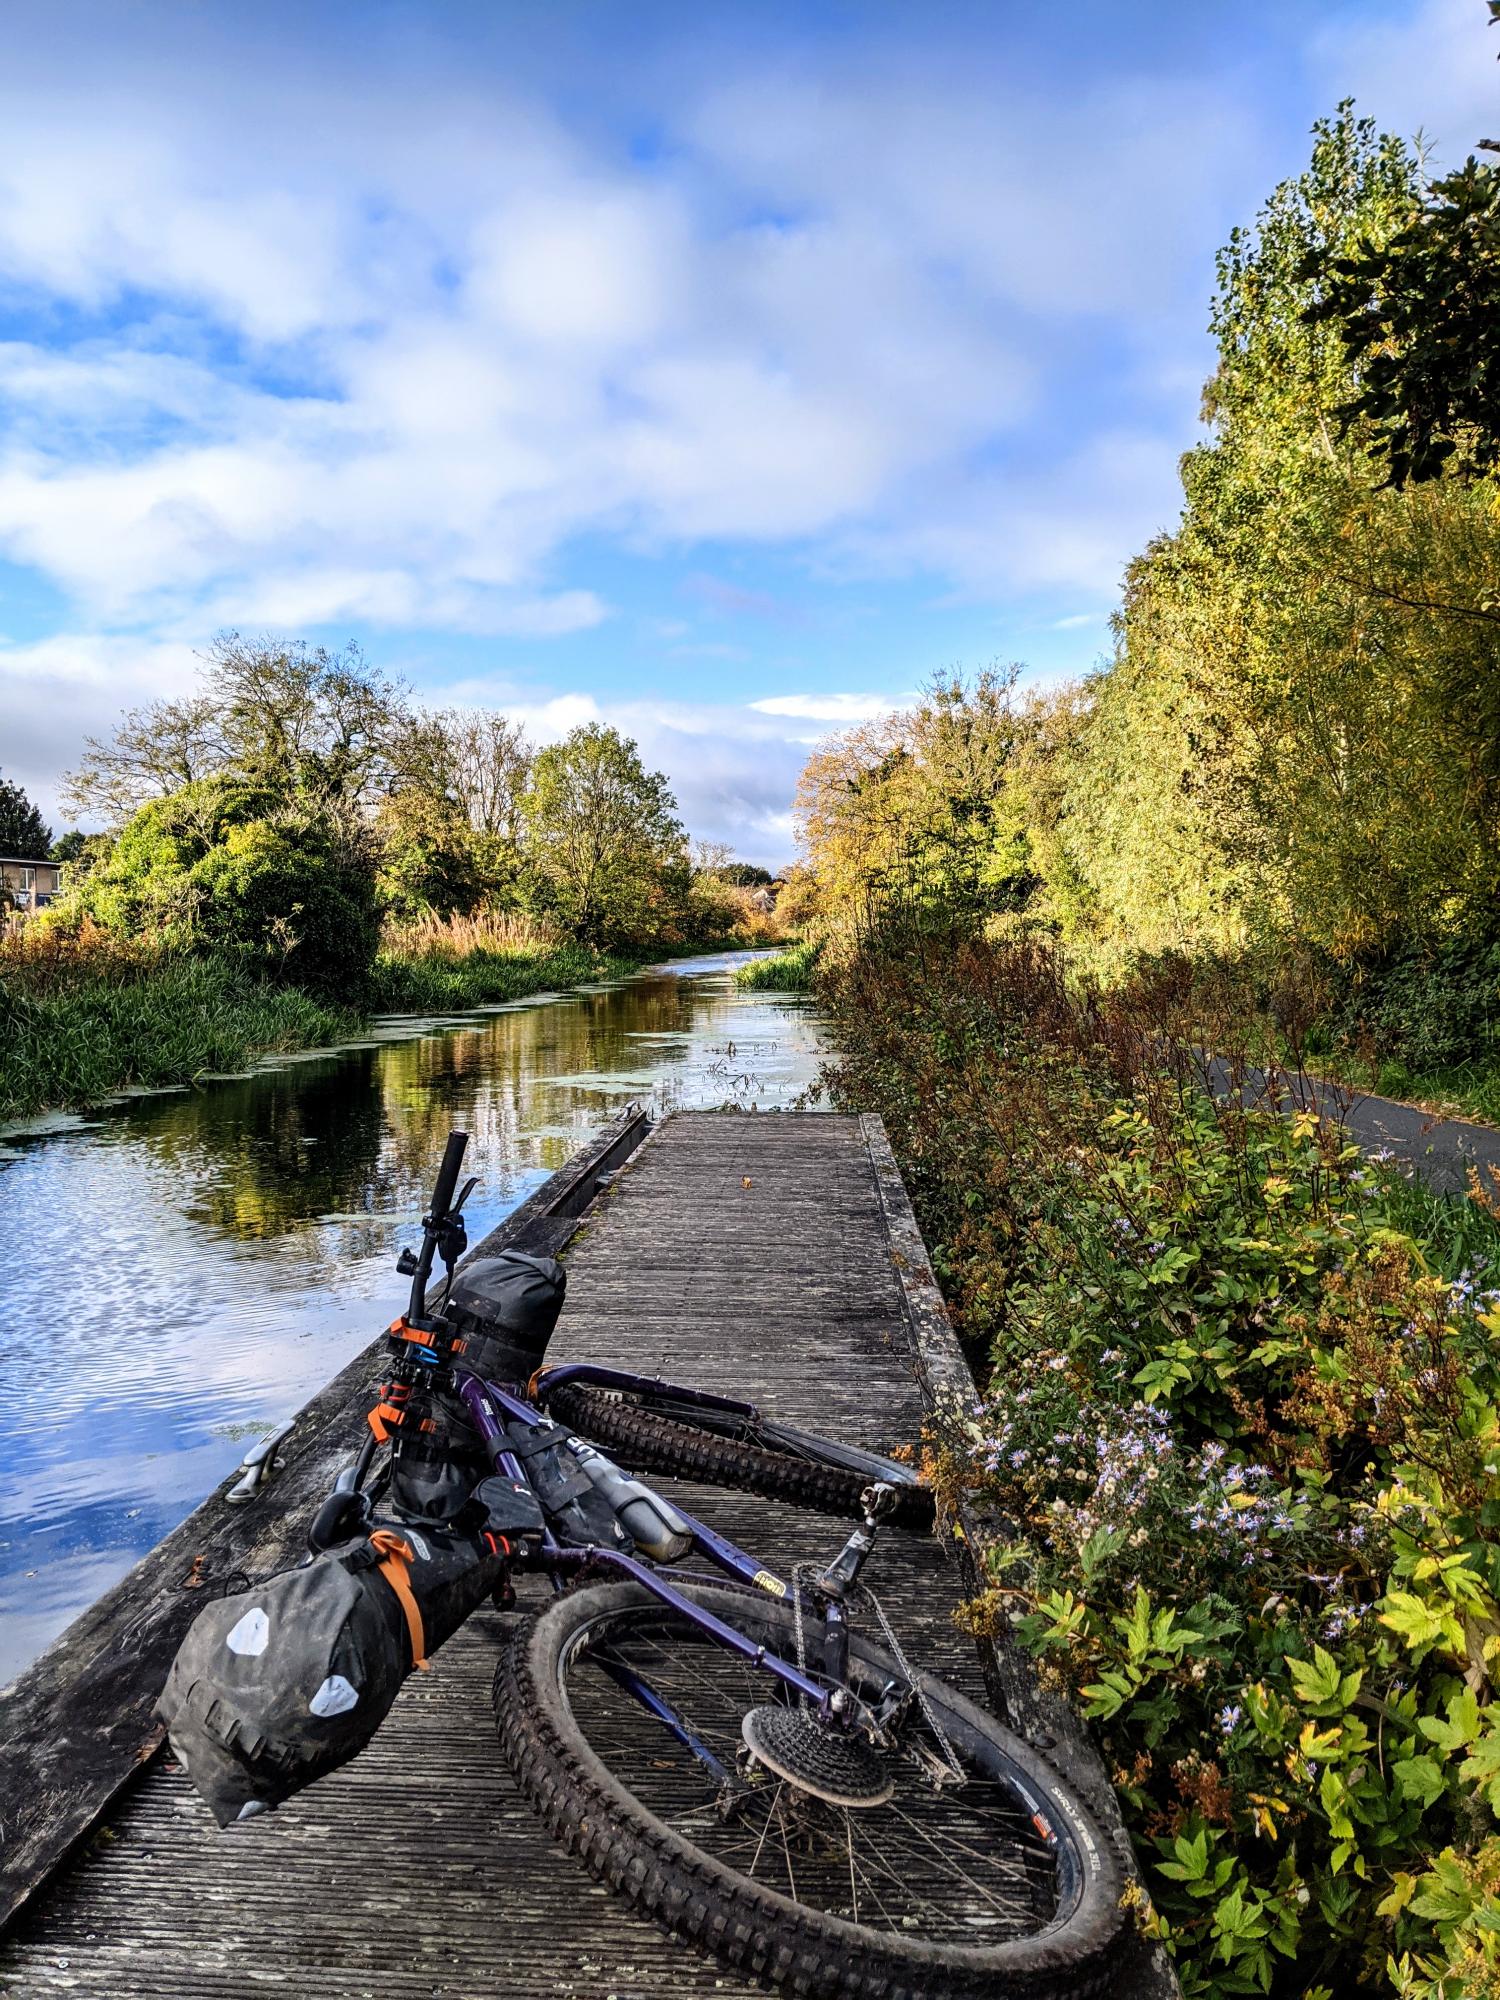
x=657 y=1530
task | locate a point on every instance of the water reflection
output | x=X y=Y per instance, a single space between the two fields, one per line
x=189 y=1267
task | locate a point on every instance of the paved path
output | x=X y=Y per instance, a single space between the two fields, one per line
x=1443 y=1149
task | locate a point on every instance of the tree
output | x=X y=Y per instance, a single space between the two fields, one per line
x=154 y=751
x=318 y=725
x=605 y=847
x=429 y=857
x=237 y=869
x=324 y=723
x=1419 y=318
x=485 y=766
x=290 y=899
x=24 y=835
x=145 y=882
x=917 y=809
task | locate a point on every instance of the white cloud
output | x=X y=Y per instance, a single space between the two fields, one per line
x=732 y=768
x=330 y=337
x=57 y=691
x=394 y=383
x=835 y=708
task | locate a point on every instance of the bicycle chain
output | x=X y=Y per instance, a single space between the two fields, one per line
x=929 y=1714
x=798 y=1571
x=914 y=1683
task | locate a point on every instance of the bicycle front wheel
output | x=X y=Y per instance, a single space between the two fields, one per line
x=940 y=1890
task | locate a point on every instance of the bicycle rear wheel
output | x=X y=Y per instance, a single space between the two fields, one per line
x=649 y=1442
x=933 y=1890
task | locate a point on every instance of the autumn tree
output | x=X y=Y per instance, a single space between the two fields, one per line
x=915 y=808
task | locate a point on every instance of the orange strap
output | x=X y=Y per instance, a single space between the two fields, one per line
x=402 y=1329
x=396 y=1558
x=382 y=1419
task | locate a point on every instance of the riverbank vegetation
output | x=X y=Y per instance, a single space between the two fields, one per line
x=1240 y=1402
x=1288 y=767
x=789 y=971
x=1242 y=1414
x=297 y=846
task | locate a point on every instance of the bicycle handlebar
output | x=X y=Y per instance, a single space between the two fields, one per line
x=447 y=1177
x=433 y=1221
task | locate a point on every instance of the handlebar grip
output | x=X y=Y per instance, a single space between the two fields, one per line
x=447 y=1178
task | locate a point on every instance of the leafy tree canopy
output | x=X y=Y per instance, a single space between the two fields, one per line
x=322 y=726
x=917 y=807
x=24 y=835
x=1419 y=318
x=606 y=849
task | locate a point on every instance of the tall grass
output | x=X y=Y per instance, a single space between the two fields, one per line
x=84 y=1014
x=790 y=971
x=441 y=967
x=81 y=1020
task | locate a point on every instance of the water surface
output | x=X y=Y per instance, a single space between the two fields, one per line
x=187 y=1267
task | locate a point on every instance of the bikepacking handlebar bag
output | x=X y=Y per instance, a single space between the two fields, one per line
x=502 y=1311
x=278 y=1685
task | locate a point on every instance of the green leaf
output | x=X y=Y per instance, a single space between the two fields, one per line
x=1419 y=1778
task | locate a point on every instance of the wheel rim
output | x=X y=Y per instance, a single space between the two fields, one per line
x=937 y=1865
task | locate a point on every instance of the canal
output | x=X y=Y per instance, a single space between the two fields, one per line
x=186 y=1268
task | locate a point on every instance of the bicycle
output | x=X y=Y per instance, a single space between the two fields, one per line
x=747 y=1756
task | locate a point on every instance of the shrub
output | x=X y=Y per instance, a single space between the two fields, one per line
x=143 y=883
x=1430 y=1006
x=286 y=898
x=1246 y=1424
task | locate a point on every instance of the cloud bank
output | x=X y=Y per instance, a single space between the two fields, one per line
x=343 y=322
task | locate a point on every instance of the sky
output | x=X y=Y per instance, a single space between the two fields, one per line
x=719 y=372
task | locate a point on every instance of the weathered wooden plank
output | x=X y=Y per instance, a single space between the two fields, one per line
x=77 y=1724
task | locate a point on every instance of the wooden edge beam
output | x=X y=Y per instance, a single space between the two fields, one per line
x=1145 y=1972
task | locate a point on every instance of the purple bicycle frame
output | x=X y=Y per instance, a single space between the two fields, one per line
x=480 y=1399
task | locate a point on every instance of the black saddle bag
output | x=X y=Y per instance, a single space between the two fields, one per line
x=289 y=1679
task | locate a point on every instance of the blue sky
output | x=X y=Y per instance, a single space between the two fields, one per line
x=723 y=372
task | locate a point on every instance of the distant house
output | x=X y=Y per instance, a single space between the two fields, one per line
x=28 y=885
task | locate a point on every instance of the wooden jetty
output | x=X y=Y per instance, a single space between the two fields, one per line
x=772 y=1256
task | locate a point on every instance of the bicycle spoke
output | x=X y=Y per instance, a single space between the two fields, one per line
x=931 y=1860
x=766 y=1828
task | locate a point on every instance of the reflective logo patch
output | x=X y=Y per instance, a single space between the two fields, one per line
x=764 y=1579
x=251 y=1635
x=335 y=1697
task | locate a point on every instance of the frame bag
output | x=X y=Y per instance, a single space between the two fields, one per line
x=502 y=1311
